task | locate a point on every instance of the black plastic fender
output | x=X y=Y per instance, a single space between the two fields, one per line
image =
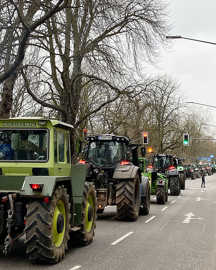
x=126 y=172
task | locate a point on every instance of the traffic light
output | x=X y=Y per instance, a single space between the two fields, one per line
x=85 y=131
x=145 y=137
x=186 y=139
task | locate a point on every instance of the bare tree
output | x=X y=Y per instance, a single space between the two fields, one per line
x=164 y=114
x=89 y=45
x=25 y=10
x=18 y=20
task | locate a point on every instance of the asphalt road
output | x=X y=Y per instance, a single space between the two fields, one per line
x=178 y=235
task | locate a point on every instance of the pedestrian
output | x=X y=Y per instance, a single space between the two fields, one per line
x=203 y=180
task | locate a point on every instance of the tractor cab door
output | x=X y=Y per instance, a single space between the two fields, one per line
x=62 y=156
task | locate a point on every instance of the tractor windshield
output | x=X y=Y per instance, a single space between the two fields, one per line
x=160 y=162
x=23 y=145
x=105 y=153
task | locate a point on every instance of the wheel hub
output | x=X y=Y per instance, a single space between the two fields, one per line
x=60 y=223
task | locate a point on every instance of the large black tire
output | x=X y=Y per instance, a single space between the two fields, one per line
x=160 y=195
x=182 y=181
x=128 y=199
x=183 y=185
x=145 y=203
x=3 y=227
x=86 y=234
x=174 y=186
x=166 y=196
x=47 y=228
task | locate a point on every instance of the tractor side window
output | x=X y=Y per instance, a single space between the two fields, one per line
x=122 y=151
x=61 y=146
x=55 y=146
x=68 y=147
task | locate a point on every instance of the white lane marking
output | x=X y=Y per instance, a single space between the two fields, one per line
x=186 y=221
x=174 y=201
x=121 y=238
x=165 y=208
x=76 y=267
x=198 y=199
x=150 y=219
x=189 y=217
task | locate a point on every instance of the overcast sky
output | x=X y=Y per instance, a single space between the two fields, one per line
x=192 y=64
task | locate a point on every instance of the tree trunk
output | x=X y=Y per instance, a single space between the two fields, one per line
x=7 y=97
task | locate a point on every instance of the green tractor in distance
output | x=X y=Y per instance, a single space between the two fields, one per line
x=159 y=181
x=114 y=166
x=182 y=173
x=42 y=195
x=170 y=169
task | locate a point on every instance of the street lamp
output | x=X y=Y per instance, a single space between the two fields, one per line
x=206 y=105
x=193 y=39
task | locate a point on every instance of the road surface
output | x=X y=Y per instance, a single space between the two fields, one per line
x=178 y=235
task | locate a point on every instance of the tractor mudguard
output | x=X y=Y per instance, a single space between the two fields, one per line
x=144 y=185
x=22 y=184
x=48 y=184
x=126 y=172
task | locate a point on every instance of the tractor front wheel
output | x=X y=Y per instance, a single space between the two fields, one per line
x=86 y=234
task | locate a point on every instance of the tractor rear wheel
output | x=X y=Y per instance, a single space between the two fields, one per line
x=47 y=228
x=166 y=196
x=182 y=181
x=3 y=227
x=174 y=186
x=183 y=185
x=145 y=203
x=161 y=195
x=86 y=234
x=128 y=199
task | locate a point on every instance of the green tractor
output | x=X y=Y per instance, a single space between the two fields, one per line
x=182 y=173
x=158 y=179
x=114 y=166
x=42 y=195
x=170 y=168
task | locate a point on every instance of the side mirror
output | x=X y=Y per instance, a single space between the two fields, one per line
x=143 y=151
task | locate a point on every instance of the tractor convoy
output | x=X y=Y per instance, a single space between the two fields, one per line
x=52 y=203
